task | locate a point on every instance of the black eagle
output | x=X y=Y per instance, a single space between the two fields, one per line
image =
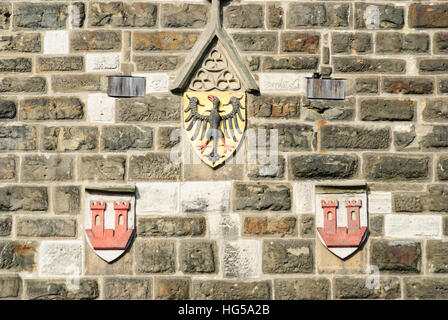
x=214 y=132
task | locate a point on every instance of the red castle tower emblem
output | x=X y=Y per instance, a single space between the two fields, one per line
x=109 y=239
x=334 y=236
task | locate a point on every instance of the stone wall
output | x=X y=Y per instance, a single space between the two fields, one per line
x=239 y=231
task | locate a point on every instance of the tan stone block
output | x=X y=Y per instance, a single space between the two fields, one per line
x=327 y=262
x=94 y=265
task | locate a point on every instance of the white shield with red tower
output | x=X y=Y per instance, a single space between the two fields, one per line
x=342 y=221
x=109 y=220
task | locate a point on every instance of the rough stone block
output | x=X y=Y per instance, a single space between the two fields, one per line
x=8 y=168
x=302 y=289
x=298 y=42
x=261 y=197
x=184 y=15
x=153 y=108
x=244 y=16
x=231 y=290
x=171 y=227
x=119 y=138
x=428 y=15
x=15 y=65
x=435 y=110
x=275 y=14
x=66 y=200
x=373 y=16
x=172 y=289
x=168 y=137
x=122 y=15
x=64 y=139
x=288 y=256
x=306 y=15
x=263 y=226
x=437 y=257
x=8 y=109
x=23 y=84
x=205 y=196
x=396 y=167
x=5 y=226
x=17 y=256
x=128 y=288
x=10 y=285
x=155 y=256
x=387 y=109
x=356 y=288
x=442 y=168
x=94 y=265
x=368 y=65
x=60 y=258
x=351 y=43
x=396 y=256
x=61 y=290
x=198 y=256
x=413 y=226
x=163 y=40
x=47 y=168
x=256 y=42
x=327 y=262
x=63 y=108
x=17 y=198
x=21 y=42
x=153 y=166
x=78 y=83
x=45 y=227
x=351 y=137
x=323 y=166
x=224 y=226
x=66 y=64
x=398 y=43
x=99 y=168
x=275 y=107
x=34 y=16
x=97 y=40
x=307 y=226
x=157 y=63
x=241 y=259
x=291 y=63
x=158 y=198
x=426 y=288
x=329 y=109
x=408 y=85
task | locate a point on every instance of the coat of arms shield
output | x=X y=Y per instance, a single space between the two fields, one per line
x=215 y=123
x=109 y=221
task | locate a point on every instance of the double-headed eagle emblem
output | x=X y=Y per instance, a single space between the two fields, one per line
x=215 y=123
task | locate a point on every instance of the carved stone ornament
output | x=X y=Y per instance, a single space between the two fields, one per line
x=109 y=220
x=341 y=219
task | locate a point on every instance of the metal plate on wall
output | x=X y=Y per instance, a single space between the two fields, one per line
x=326 y=88
x=126 y=86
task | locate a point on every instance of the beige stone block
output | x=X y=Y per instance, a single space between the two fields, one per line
x=327 y=262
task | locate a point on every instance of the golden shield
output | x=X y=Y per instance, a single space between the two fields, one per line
x=215 y=123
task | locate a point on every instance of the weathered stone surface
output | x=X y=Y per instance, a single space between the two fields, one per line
x=94 y=265
x=408 y=85
x=302 y=289
x=164 y=40
x=428 y=15
x=356 y=288
x=379 y=109
x=153 y=108
x=35 y=16
x=396 y=256
x=299 y=42
x=260 y=197
x=198 y=256
x=44 y=227
x=366 y=85
x=64 y=139
x=42 y=168
x=270 y=226
x=21 y=42
x=78 y=83
x=60 y=258
x=8 y=65
x=128 y=288
x=66 y=200
x=405 y=138
x=244 y=16
x=58 y=290
x=288 y=256
x=437 y=200
x=18 y=138
x=408 y=202
x=351 y=137
x=435 y=66
x=442 y=168
x=436 y=138
x=8 y=109
x=271 y=106
x=396 y=43
x=10 y=285
x=127 y=137
x=171 y=227
x=440 y=42
x=78 y=11
x=274 y=168
x=275 y=15
x=351 y=43
x=241 y=259
x=172 y=289
x=436 y=110
x=373 y=16
x=168 y=137
x=157 y=198
x=426 y=288
x=153 y=166
x=122 y=15
x=259 y=42
x=99 y=168
x=396 y=167
x=8 y=168
x=445 y=226
x=51 y=109
x=155 y=256
x=157 y=63
x=15 y=198
x=206 y=197
x=71 y=63
x=323 y=166
x=307 y=225
x=17 y=256
x=305 y=63
x=412 y=226
x=306 y=15
x=368 y=65
x=224 y=225
x=95 y=40
x=5 y=226
x=329 y=109
x=183 y=15
x=231 y=290
x=436 y=255
x=5 y=14
x=376 y=223
x=327 y=262
x=25 y=84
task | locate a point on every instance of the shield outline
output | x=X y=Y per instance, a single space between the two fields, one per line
x=224 y=97
x=342 y=252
